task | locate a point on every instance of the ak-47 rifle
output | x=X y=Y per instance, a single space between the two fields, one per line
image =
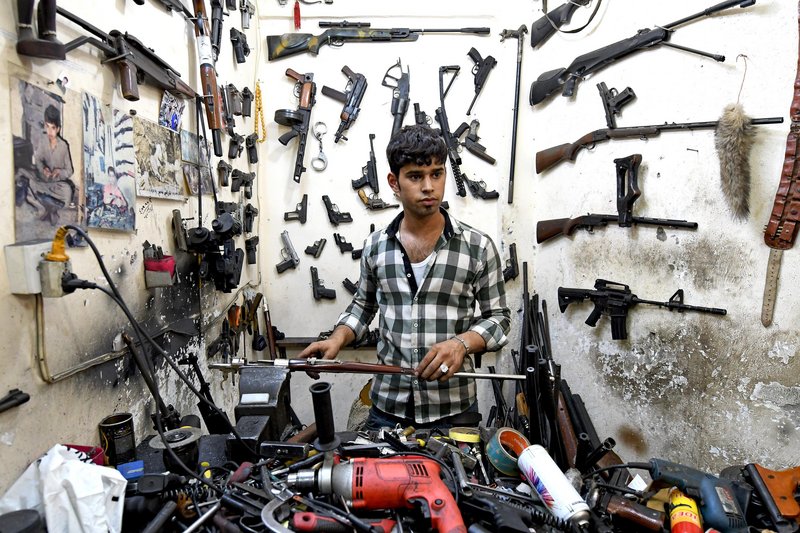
x=135 y=61
x=208 y=77
x=351 y=98
x=477 y=188
x=298 y=119
x=614 y=299
x=551 y=157
x=647 y=39
x=627 y=193
x=400 y=86
x=289 y=44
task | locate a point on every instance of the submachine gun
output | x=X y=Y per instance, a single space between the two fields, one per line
x=298 y=119
x=351 y=98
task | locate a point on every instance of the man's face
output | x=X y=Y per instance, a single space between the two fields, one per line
x=420 y=188
x=51 y=130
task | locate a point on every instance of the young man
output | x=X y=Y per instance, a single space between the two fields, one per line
x=53 y=188
x=425 y=273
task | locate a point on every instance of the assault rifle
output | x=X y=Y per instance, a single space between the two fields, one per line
x=646 y=39
x=400 y=86
x=298 y=119
x=289 y=44
x=551 y=157
x=369 y=172
x=477 y=188
x=627 y=193
x=136 y=62
x=351 y=98
x=614 y=299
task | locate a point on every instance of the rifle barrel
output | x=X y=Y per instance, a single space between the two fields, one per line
x=710 y=11
x=477 y=31
x=683 y=307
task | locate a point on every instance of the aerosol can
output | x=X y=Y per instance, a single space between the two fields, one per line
x=553 y=488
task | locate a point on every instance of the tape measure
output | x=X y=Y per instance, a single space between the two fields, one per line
x=468 y=435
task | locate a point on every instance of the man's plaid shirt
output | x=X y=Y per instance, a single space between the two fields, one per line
x=466 y=271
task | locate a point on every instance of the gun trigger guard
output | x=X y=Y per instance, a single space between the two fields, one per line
x=335 y=41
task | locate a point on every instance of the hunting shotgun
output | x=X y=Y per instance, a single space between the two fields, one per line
x=551 y=157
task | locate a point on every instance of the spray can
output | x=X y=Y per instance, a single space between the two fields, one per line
x=558 y=495
x=684 y=516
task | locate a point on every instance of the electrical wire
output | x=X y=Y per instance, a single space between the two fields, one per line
x=638 y=466
x=121 y=302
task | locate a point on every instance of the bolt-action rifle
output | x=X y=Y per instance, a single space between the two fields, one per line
x=551 y=157
x=400 y=85
x=212 y=97
x=615 y=299
x=351 y=98
x=627 y=193
x=135 y=62
x=567 y=78
x=289 y=44
x=298 y=119
x=477 y=188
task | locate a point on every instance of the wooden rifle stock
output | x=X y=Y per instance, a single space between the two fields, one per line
x=208 y=77
x=567 y=430
x=551 y=157
x=548 y=229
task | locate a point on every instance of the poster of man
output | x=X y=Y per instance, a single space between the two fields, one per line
x=108 y=167
x=157 y=160
x=46 y=185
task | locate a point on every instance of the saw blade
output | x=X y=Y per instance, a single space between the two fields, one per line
x=771 y=286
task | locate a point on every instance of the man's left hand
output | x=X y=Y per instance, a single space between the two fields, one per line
x=448 y=354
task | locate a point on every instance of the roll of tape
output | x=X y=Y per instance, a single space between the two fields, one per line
x=504 y=448
x=469 y=435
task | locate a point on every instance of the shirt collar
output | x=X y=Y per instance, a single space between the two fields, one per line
x=451 y=225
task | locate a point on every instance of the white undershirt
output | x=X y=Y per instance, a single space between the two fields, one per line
x=419 y=269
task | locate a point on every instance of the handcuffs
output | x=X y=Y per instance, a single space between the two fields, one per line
x=320 y=161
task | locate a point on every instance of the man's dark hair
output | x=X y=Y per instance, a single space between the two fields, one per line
x=416 y=144
x=52 y=116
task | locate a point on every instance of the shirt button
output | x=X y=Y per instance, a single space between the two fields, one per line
x=415 y=382
x=416 y=298
x=415 y=324
x=408 y=275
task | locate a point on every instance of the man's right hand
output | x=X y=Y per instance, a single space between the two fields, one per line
x=328 y=348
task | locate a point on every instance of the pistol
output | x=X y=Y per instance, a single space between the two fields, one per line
x=290 y=259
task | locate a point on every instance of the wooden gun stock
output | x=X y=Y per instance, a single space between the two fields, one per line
x=566 y=430
x=550 y=157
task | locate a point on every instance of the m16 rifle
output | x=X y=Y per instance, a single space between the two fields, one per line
x=289 y=44
x=135 y=62
x=298 y=119
x=627 y=193
x=400 y=85
x=369 y=172
x=480 y=70
x=615 y=299
x=566 y=79
x=351 y=98
x=477 y=188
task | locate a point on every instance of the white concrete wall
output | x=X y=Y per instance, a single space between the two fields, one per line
x=702 y=390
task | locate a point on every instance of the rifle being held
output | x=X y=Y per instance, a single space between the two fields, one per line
x=400 y=84
x=289 y=44
x=566 y=79
x=351 y=98
x=551 y=157
x=627 y=193
x=135 y=62
x=615 y=299
x=298 y=119
x=478 y=189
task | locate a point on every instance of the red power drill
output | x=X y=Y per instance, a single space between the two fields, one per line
x=386 y=483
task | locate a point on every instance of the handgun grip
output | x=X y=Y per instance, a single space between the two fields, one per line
x=285 y=264
x=288 y=136
x=127 y=79
x=474 y=55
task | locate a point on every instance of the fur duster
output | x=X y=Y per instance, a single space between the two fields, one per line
x=733 y=139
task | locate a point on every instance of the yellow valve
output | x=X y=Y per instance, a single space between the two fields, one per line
x=58 y=251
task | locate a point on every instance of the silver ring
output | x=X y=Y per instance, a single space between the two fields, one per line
x=444 y=368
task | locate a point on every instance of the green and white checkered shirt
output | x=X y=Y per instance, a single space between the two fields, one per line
x=466 y=271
